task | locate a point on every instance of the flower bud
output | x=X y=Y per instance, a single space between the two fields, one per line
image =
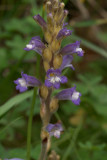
x=48 y=7
x=59 y=13
x=44 y=134
x=50 y=19
x=53 y=156
x=43 y=111
x=48 y=36
x=55 y=45
x=55 y=3
x=47 y=54
x=50 y=22
x=64 y=15
x=43 y=91
x=40 y=21
x=46 y=65
x=57 y=61
x=53 y=105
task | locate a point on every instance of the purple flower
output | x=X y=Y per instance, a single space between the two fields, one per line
x=67 y=59
x=69 y=94
x=54 y=129
x=25 y=82
x=54 y=78
x=63 y=33
x=35 y=44
x=40 y=21
x=65 y=24
x=72 y=48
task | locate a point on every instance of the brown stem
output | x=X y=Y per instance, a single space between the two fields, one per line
x=44 y=149
x=43 y=154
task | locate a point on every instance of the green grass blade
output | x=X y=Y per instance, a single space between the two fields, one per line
x=14 y=101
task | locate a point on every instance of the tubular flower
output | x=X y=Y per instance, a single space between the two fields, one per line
x=35 y=44
x=72 y=48
x=69 y=94
x=25 y=82
x=54 y=129
x=40 y=21
x=54 y=78
x=63 y=33
x=67 y=59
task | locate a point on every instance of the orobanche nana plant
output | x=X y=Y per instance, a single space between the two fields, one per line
x=55 y=59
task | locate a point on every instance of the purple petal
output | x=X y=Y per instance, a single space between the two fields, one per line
x=49 y=127
x=54 y=129
x=40 y=21
x=48 y=83
x=56 y=85
x=63 y=33
x=35 y=44
x=69 y=94
x=53 y=71
x=65 y=94
x=59 y=126
x=76 y=101
x=64 y=79
x=20 y=88
x=71 y=49
x=70 y=66
x=67 y=59
x=26 y=81
x=30 y=80
x=65 y=24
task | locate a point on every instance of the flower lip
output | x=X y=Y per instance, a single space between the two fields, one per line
x=26 y=81
x=64 y=32
x=69 y=94
x=54 y=129
x=67 y=59
x=35 y=44
x=54 y=78
x=52 y=71
x=71 y=49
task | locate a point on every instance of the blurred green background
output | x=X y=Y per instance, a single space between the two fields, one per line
x=85 y=133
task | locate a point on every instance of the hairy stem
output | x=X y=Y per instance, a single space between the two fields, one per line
x=29 y=130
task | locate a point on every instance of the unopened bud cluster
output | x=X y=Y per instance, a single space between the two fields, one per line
x=55 y=18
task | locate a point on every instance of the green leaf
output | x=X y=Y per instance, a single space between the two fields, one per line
x=14 y=101
x=85 y=23
x=100 y=108
x=3 y=58
x=102 y=36
x=89 y=23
